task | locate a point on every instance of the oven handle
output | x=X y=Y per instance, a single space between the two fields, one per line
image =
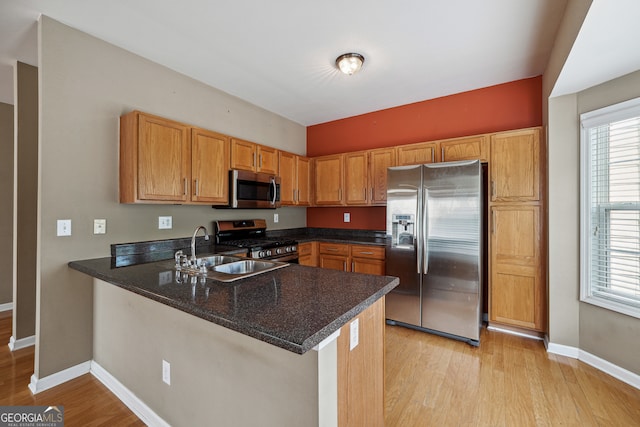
x=291 y=258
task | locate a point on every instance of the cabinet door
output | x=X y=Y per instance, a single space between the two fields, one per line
x=334 y=262
x=517 y=293
x=328 y=180
x=379 y=161
x=288 y=172
x=356 y=178
x=209 y=167
x=164 y=159
x=367 y=266
x=474 y=148
x=303 y=192
x=243 y=155
x=267 y=161
x=515 y=166
x=415 y=154
x=308 y=254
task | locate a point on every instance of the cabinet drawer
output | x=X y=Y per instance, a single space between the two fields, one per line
x=373 y=252
x=334 y=249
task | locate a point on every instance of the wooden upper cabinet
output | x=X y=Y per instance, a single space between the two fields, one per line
x=295 y=179
x=473 y=148
x=303 y=194
x=379 y=161
x=366 y=176
x=209 y=167
x=515 y=166
x=328 y=175
x=288 y=178
x=356 y=182
x=267 y=160
x=155 y=159
x=249 y=156
x=416 y=154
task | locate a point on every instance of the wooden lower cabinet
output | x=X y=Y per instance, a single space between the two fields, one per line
x=361 y=370
x=517 y=286
x=353 y=258
x=308 y=254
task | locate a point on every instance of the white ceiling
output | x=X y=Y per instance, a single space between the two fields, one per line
x=280 y=54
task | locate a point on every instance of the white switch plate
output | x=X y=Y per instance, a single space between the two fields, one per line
x=165 y=222
x=166 y=372
x=347 y=217
x=64 y=227
x=353 y=334
x=99 y=226
x=275 y=218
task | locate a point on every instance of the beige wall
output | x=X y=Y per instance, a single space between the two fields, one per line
x=604 y=333
x=85 y=85
x=26 y=201
x=560 y=122
x=218 y=376
x=6 y=207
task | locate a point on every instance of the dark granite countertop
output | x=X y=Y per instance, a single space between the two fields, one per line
x=294 y=308
x=332 y=235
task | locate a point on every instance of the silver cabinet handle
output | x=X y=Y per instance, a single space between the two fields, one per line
x=260 y=158
x=185 y=191
x=344 y=265
x=353 y=267
x=493 y=222
x=253 y=162
x=442 y=154
x=364 y=190
x=493 y=188
x=433 y=155
x=340 y=194
x=371 y=194
x=366 y=253
x=196 y=187
x=332 y=249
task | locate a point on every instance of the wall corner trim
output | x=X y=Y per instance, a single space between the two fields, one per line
x=6 y=307
x=605 y=366
x=17 y=344
x=41 y=384
x=137 y=406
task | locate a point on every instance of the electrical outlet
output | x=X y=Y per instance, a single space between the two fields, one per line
x=353 y=334
x=166 y=372
x=275 y=217
x=64 y=227
x=347 y=217
x=99 y=226
x=165 y=222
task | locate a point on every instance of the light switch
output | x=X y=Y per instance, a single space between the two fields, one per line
x=165 y=222
x=347 y=217
x=64 y=227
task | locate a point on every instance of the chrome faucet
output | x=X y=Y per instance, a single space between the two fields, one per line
x=193 y=242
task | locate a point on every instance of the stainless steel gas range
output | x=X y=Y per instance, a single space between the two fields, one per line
x=251 y=234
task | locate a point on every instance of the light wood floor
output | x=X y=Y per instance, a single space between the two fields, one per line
x=508 y=381
x=430 y=381
x=86 y=401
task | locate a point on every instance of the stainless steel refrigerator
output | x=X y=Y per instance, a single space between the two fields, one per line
x=434 y=245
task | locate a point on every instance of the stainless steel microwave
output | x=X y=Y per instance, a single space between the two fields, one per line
x=251 y=190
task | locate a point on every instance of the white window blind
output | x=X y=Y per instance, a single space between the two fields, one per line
x=610 y=181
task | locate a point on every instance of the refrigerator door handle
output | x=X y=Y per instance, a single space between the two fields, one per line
x=425 y=232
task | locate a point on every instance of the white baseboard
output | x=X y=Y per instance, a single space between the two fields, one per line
x=15 y=344
x=137 y=406
x=40 y=384
x=605 y=366
x=6 y=307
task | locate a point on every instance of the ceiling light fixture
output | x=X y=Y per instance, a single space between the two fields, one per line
x=349 y=63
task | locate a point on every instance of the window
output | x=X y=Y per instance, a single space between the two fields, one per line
x=610 y=207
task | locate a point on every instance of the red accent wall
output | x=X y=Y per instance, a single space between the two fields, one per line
x=507 y=106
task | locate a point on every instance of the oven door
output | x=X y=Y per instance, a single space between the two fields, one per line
x=250 y=190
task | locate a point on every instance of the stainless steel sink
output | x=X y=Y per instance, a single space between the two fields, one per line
x=213 y=260
x=226 y=268
x=242 y=269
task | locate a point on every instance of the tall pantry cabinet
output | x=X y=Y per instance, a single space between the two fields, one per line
x=516 y=230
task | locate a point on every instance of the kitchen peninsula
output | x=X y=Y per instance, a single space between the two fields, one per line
x=286 y=347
